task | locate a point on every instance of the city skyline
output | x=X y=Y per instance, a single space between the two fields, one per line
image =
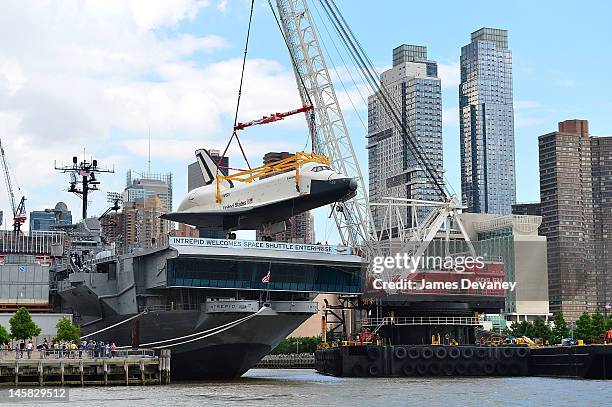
x=172 y=96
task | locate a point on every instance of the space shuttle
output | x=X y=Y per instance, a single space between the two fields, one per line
x=268 y=201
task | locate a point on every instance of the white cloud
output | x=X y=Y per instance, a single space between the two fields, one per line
x=222 y=6
x=169 y=149
x=77 y=74
x=450 y=74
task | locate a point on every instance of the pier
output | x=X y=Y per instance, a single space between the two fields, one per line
x=127 y=368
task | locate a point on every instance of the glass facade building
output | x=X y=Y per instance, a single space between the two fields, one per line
x=414 y=87
x=487 y=123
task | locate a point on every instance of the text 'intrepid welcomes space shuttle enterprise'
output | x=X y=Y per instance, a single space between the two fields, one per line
x=263 y=196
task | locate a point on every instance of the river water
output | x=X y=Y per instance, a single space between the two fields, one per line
x=266 y=387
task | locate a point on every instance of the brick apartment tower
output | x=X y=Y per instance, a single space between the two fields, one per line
x=576 y=217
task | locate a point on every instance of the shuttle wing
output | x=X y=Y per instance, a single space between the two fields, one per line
x=218 y=219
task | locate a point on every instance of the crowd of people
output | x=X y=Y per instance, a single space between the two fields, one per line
x=64 y=349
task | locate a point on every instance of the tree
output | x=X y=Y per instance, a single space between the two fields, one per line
x=584 y=327
x=66 y=331
x=609 y=322
x=22 y=326
x=540 y=330
x=599 y=324
x=307 y=344
x=560 y=329
x=523 y=328
x=4 y=335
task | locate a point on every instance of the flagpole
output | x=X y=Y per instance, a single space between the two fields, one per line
x=268 y=283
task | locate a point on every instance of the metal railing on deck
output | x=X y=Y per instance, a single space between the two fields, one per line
x=170 y=307
x=377 y=322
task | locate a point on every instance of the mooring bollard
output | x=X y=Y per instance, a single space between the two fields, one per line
x=40 y=373
x=142 y=372
x=81 y=372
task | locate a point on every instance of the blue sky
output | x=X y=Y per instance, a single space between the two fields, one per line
x=99 y=75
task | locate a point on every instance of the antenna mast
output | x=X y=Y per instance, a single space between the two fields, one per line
x=83 y=173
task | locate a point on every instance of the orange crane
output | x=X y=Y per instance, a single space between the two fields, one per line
x=19 y=212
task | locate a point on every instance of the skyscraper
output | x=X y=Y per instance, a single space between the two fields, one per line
x=487 y=123
x=576 y=210
x=414 y=86
x=148 y=185
x=601 y=155
x=138 y=225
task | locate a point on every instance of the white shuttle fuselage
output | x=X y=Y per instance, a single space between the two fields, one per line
x=264 y=201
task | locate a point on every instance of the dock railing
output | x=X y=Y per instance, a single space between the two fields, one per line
x=14 y=354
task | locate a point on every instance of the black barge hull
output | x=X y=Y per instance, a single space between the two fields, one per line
x=588 y=362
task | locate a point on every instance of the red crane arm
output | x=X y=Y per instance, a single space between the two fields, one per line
x=273 y=117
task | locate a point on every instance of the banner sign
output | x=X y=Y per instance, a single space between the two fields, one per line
x=257 y=245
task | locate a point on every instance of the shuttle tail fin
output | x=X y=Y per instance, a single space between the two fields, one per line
x=208 y=166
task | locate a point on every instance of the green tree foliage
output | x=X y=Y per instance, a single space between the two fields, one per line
x=289 y=345
x=539 y=330
x=22 y=326
x=609 y=322
x=66 y=331
x=599 y=324
x=523 y=328
x=559 y=330
x=584 y=327
x=4 y=335
x=534 y=330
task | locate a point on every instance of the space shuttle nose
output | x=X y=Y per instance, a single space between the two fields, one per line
x=353 y=185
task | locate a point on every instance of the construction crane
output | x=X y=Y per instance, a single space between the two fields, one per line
x=330 y=134
x=331 y=138
x=19 y=212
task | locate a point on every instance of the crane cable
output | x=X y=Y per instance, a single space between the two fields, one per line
x=311 y=118
x=234 y=134
x=367 y=70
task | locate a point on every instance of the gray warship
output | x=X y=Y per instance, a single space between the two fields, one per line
x=207 y=300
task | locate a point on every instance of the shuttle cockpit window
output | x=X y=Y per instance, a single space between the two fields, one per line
x=321 y=168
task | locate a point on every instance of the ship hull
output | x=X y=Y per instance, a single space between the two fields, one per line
x=224 y=355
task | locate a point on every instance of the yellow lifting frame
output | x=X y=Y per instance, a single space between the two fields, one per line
x=288 y=164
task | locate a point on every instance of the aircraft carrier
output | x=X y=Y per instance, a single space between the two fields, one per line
x=204 y=299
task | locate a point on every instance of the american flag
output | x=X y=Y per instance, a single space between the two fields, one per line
x=266 y=279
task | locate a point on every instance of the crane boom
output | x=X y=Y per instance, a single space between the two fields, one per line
x=19 y=216
x=331 y=137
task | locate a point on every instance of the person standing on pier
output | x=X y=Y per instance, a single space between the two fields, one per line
x=29 y=347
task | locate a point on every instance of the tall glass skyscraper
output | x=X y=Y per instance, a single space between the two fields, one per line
x=394 y=171
x=487 y=123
